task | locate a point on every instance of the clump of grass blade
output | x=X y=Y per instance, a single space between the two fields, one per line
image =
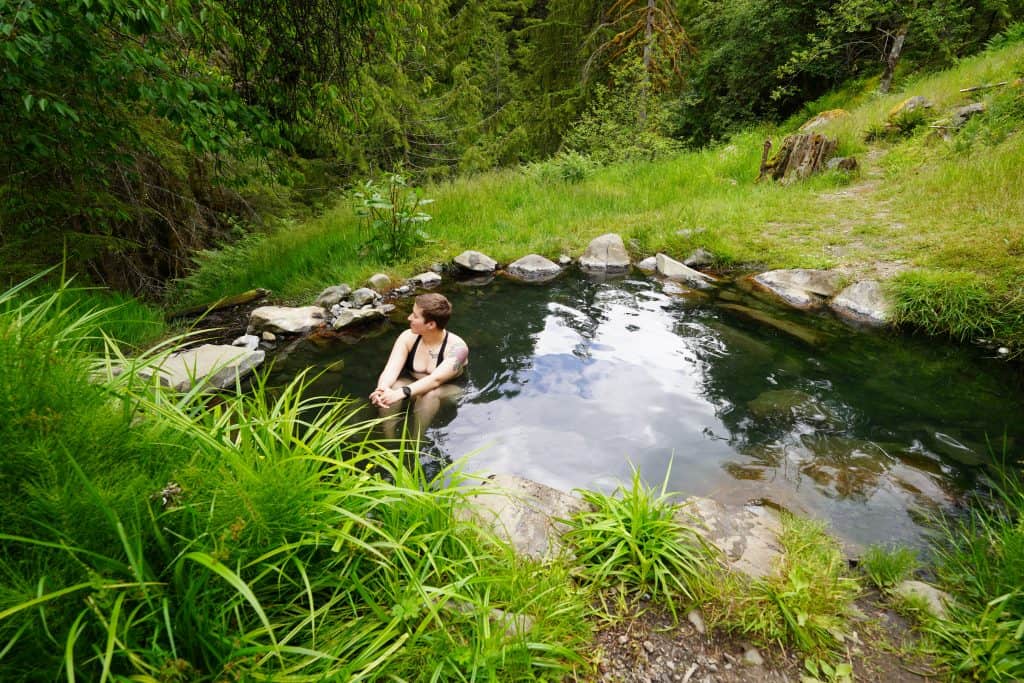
x=803 y=603
x=634 y=539
x=886 y=567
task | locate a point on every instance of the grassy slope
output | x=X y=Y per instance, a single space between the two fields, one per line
x=953 y=207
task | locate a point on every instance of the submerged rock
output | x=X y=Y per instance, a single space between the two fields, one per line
x=474 y=262
x=800 y=288
x=786 y=406
x=606 y=253
x=674 y=270
x=215 y=365
x=863 y=302
x=804 y=334
x=284 y=319
x=533 y=268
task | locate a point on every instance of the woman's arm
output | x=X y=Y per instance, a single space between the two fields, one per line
x=393 y=368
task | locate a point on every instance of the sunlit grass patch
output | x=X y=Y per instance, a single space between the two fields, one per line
x=886 y=567
x=804 y=603
x=632 y=540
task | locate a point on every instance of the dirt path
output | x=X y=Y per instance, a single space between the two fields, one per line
x=645 y=647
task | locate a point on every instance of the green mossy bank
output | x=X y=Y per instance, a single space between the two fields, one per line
x=940 y=217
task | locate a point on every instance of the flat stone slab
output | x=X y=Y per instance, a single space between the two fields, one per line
x=801 y=288
x=674 y=270
x=524 y=513
x=283 y=319
x=863 y=302
x=748 y=536
x=533 y=268
x=475 y=262
x=216 y=365
x=427 y=279
x=605 y=254
x=348 y=317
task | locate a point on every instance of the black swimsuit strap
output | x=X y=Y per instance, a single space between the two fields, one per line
x=440 y=351
x=409 y=359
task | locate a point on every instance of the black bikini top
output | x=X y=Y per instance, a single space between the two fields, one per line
x=412 y=355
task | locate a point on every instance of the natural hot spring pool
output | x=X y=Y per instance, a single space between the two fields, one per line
x=573 y=382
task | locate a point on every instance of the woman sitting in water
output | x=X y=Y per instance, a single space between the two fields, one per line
x=423 y=360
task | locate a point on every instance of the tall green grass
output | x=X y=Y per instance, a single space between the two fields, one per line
x=804 y=603
x=980 y=559
x=632 y=541
x=189 y=537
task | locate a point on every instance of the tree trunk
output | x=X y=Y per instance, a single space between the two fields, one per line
x=648 y=57
x=892 y=58
x=799 y=156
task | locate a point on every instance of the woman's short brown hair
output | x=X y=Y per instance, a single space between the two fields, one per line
x=435 y=308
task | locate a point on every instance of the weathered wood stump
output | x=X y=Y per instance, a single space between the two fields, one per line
x=799 y=156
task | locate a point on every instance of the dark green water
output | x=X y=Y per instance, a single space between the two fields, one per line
x=574 y=382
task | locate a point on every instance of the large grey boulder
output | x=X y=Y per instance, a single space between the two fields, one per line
x=674 y=270
x=348 y=317
x=747 y=536
x=533 y=268
x=284 y=319
x=333 y=295
x=524 y=513
x=379 y=282
x=801 y=288
x=605 y=254
x=213 y=365
x=962 y=114
x=363 y=297
x=475 y=262
x=863 y=302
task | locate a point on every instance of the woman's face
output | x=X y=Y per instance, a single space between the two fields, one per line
x=416 y=322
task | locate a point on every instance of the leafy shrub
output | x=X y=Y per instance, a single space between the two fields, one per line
x=391 y=213
x=632 y=539
x=885 y=568
x=569 y=167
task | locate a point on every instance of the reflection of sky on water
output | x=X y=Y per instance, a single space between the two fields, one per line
x=598 y=399
x=573 y=383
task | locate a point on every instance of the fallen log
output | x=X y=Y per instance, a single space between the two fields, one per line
x=223 y=302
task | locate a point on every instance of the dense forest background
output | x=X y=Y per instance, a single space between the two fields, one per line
x=137 y=132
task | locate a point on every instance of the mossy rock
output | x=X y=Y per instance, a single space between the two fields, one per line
x=786 y=406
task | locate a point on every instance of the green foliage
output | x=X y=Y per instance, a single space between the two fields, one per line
x=980 y=557
x=623 y=122
x=887 y=567
x=164 y=536
x=568 y=167
x=804 y=603
x=953 y=302
x=391 y=213
x=632 y=539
